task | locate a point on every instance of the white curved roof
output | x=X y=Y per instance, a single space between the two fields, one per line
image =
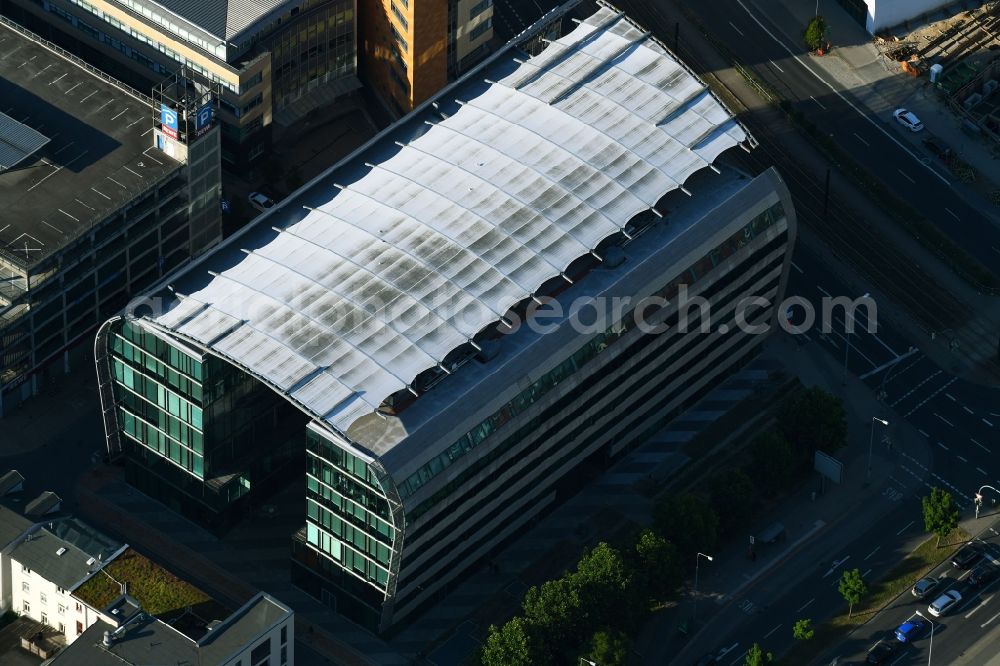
x=407 y=262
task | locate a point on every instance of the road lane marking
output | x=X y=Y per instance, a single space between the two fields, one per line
x=903 y=173
x=806 y=605
x=737 y=29
x=989 y=620
x=782 y=71
x=913 y=390
x=772 y=631
x=818 y=102
x=866 y=573
x=823 y=291
x=724 y=651
x=796 y=267
x=961 y=458
x=949 y=211
x=967 y=409
x=951 y=397
x=905 y=528
x=862 y=140
x=943 y=446
x=851 y=104
x=836 y=564
x=924 y=433
x=980 y=445
x=981 y=604
x=987 y=423
x=983 y=471
x=739 y=658
x=872 y=553
x=930 y=397
x=944 y=419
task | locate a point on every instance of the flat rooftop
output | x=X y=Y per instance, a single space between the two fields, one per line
x=99 y=153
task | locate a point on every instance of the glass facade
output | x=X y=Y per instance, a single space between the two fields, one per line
x=200 y=426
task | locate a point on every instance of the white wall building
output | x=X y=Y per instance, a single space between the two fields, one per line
x=882 y=14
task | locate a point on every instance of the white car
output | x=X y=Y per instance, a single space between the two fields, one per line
x=261 y=202
x=908 y=120
x=944 y=602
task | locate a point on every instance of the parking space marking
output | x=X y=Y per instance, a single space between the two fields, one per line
x=821 y=105
x=903 y=173
x=943 y=446
x=983 y=471
x=858 y=136
x=989 y=620
x=772 y=631
x=806 y=605
x=873 y=552
x=980 y=445
x=905 y=528
x=987 y=423
x=961 y=458
x=944 y=419
x=782 y=71
x=981 y=604
x=950 y=212
x=737 y=29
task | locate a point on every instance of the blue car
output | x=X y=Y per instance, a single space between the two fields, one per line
x=910 y=630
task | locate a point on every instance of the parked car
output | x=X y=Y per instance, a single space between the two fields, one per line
x=983 y=574
x=260 y=201
x=911 y=630
x=937 y=147
x=944 y=603
x=880 y=653
x=968 y=556
x=908 y=120
x=924 y=587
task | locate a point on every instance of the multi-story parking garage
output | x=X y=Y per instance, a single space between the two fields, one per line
x=446 y=327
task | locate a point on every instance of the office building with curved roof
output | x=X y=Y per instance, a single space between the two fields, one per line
x=451 y=321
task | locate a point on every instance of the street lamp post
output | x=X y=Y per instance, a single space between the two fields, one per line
x=979 y=497
x=930 y=648
x=697 y=561
x=871 y=441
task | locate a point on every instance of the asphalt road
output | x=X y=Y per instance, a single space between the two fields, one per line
x=890 y=152
x=972 y=620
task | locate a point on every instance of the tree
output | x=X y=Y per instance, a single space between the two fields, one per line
x=803 y=630
x=852 y=587
x=657 y=570
x=815 y=32
x=813 y=420
x=510 y=645
x=609 y=647
x=600 y=581
x=772 y=464
x=689 y=523
x=757 y=657
x=733 y=496
x=940 y=514
x=555 y=610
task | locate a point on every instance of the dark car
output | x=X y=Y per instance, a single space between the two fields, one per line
x=982 y=574
x=966 y=557
x=880 y=653
x=937 y=147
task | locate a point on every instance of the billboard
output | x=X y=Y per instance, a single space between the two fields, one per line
x=203 y=119
x=168 y=121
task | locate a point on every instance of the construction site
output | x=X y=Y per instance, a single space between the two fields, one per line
x=960 y=56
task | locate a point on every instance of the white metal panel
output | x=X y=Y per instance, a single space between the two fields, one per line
x=413 y=258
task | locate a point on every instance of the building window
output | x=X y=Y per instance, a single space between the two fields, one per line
x=62 y=609
x=260 y=652
x=25 y=587
x=79 y=627
x=62 y=628
x=284 y=634
x=45 y=618
x=480 y=8
x=402 y=19
x=43 y=598
x=481 y=29
x=284 y=655
x=400 y=39
x=60 y=590
x=253 y=103
x=79 y=607
x=26 y=607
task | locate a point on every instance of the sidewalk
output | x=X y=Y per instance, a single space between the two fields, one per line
x=822 y=524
